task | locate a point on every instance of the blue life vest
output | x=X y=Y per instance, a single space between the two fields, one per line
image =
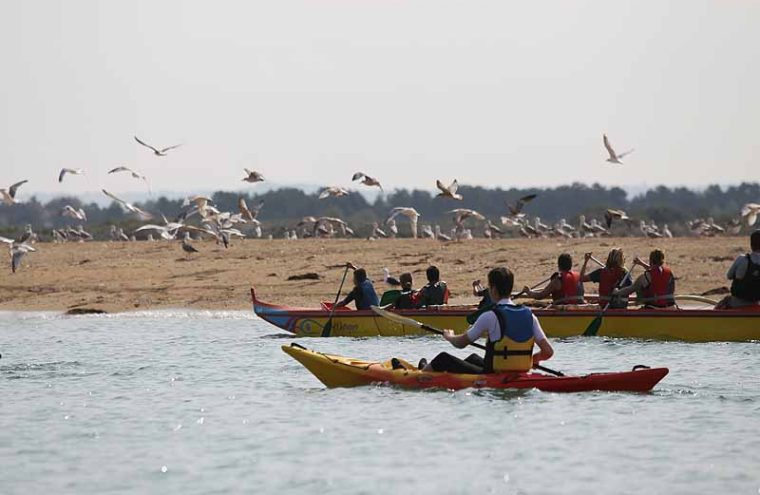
x=514 y=350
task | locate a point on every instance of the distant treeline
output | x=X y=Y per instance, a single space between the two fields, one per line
x=283 y=208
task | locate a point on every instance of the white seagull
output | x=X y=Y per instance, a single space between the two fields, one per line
x=144 y=215
x=614 y=157
x=158 y=152
x=367 y=180
x=253 y=176
x=516 y=209
x=448 y=192
x=409 y=213
x=69 y=211
x=749 y=212
x=334 y=191
x=72 y=171
x=127 y=169
x=9 y=195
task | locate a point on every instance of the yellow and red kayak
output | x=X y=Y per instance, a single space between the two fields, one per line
x=339 y=371
x=694 y=325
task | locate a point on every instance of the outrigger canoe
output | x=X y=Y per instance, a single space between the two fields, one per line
x=338 y=371
x=693 y=325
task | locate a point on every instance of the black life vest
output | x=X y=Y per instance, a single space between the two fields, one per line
x=434 y=294
x=514 y=350
x=748 y=288
x=404 y=300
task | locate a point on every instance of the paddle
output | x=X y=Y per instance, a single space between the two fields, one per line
x=593 y=328
x=328 y=326
x=414 y=323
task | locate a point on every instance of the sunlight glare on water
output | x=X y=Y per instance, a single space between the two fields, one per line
x=197 y=402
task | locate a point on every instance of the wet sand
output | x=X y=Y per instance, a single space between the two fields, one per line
x=148 y=275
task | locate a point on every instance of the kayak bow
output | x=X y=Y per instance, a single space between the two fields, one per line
x=339 y=371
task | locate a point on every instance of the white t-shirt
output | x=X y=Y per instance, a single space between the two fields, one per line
x=488 y=323
x=739 y=267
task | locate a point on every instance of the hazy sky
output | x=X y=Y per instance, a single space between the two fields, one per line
x=490 y=92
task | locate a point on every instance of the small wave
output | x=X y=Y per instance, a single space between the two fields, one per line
x=174 y=314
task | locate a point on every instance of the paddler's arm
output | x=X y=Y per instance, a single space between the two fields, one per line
x=545 y=349
x=477 y=330
x=586 y=259
x=626 y=291
x=642 y=263
x=552 y=286
x=458 y=341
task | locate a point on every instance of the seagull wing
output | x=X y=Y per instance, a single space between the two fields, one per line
x=169 y=148
x=621 y=155
x=454 y=186
x=358 y=175
x=440 y=186
x=608 y=146
x=120 y=201
x=119 y=169
x=146 y=144
x=63 y=172
x=12 y=190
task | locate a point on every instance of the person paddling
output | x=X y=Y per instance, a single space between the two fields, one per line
x=608 y=277
x=744 y=275
x=436 y=292
x=656 y=286
x=363 y=294
x=512 y=330
x=564 y=287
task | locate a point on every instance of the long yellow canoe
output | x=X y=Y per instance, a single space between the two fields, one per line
x=692 y=325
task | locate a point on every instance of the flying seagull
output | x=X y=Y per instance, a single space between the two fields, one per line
x=253 y=176
x=144 y=215
x=749 y=212
x=17 y=252
x=72 y=171
x=9 y=195
x=69 y=211
x=448 y=192
x=612 y=214
x=409 y=213
x=127 y=169
x=157 y=152
x=367 y=180
x=614 y=157
x=247 y=213
x=336 y=192
x=516 y=208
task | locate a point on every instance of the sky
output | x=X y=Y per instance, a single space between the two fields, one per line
x=492 y=93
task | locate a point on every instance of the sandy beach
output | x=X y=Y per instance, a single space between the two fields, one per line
x=116 y=277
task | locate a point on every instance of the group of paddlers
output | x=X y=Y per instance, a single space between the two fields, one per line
x=655 y=288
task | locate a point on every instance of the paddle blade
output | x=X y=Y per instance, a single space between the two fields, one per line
x=327 y=328
x=593 y=328
x=396 y=317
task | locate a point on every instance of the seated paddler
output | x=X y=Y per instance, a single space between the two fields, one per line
x=564 y=287
x=656 y=286
x=435 y=292
x=363 y=294
x=408 y=297
x=609 y=277
x=512 y=331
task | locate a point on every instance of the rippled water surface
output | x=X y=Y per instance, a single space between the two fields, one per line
x=205 y=402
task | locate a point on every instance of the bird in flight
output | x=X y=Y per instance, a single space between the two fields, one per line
x=72 y=171
x=127 y=169
x=516 y=208
x=144 y=215
x=367 y=180
x=253 y=176
x=69 y=211
x=448 y=192
x=9 y=195
x=336 y=192
x=409 y=213
x=156 y=151
x=614 y=157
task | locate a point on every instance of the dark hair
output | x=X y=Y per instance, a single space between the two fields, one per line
x=754 y=240
x=502 y=279
x=565 y=262
x=656 y=257
x=405 y=278
x=433 y=275
x=360 y=275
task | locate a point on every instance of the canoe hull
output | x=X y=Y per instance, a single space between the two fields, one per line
x=338 y=371
x=691 y=325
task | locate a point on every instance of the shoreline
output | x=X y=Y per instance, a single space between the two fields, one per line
x=136 y=276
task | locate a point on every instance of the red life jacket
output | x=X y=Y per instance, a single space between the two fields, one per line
x=608 y=280
x=571 y=291
x=661 y=286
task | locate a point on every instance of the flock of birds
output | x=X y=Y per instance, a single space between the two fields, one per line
x=224 y=226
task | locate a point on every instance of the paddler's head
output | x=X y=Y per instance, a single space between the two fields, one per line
x=565 y=262
x=360 y=275
x=615 y=259
x=406 y=281
x=656 y=258
x=433 y=274
x=500 y=283
x=754 y=240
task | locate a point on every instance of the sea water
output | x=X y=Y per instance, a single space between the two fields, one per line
x=184 y=402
